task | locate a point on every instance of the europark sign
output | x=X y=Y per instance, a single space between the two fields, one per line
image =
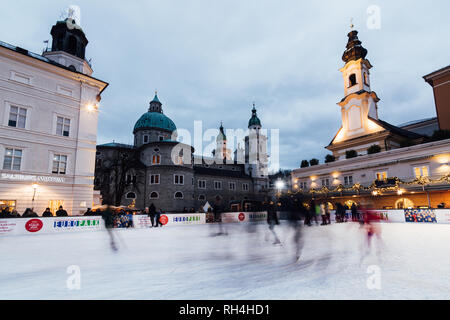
x=30 y=178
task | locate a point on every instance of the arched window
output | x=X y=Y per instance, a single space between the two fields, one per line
x=178 y=195
x=349 y=203
x=131 y=195
x=202 y=197
x=154 y=195
x=352 y=80
x=404 y=203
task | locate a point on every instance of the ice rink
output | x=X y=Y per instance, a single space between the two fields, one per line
x=186 y=262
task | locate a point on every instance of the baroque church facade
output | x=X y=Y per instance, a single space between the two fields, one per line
x=160 y=170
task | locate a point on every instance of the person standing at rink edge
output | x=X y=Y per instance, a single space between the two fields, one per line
x=151 y=213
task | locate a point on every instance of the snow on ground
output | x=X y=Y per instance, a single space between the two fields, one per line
x=186 y=262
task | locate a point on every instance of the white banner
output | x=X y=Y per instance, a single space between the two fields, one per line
x=233 y=217
x=23 y=226
x=169 y=220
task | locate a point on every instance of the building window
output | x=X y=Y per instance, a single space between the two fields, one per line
x=59 y=164
x=217 y=185
x=11 y=204
x=145 y=138
x=245 y=186
x=154 y=178
x=348 y=180
x=404 y=203
x=178 y=179
x=202 y=184
x=382 y=175
x=130 y=179
x=202 y=197
x=161 y=138
x=17 y=117
x=352 y=80
x=154 y=195
x=325 y=182
x=62 y=126
x=12 y=160
x=303 y=185
x=232 y=186
x=156 y=159
x=178 y=195
x=131 y=195
x=422 y=171
x=366 y=79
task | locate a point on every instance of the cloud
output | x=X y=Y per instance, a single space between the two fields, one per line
x=210 y=60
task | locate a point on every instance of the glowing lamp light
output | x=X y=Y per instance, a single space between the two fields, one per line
x=295 y=186
x=279 y=184
x=35 y=186
x=374 y=193
x=91 y=107
x=400 y=192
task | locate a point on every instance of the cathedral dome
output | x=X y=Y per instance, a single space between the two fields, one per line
x=155 y=120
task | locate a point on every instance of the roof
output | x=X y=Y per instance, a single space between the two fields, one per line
x=46 y=60
x=254 y=120
x=155 y=99
x=221 y=136
x=396 y=130
x=154 y=120
x=359 y=93
x=429 y=77
x=220 y=172
x=115 y=145
x=410 y=123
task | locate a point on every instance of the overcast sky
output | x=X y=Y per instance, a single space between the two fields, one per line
x=209 y=60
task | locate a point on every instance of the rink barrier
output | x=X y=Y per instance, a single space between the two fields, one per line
x=39 y=225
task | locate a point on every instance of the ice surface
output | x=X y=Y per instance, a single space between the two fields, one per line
x=187 y=263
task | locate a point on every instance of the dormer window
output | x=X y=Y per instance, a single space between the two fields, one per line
x=352 y=80
x=145 y=138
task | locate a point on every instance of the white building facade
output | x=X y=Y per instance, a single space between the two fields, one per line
x=48 y=124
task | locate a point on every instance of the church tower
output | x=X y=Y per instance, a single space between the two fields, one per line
x=359 y=110
x=256 y=158
x=361 y=128
x=222 y=153
x=69 y=46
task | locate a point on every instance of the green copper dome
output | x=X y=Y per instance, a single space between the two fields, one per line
x=254 y=120
x=152 y=120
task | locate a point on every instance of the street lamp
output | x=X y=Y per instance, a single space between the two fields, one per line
x=35 y=186
x=279 y=185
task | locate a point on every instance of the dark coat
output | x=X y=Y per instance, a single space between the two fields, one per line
x=61 y=213
x=47 y=214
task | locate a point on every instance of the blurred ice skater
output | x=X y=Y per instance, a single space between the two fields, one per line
x=295 y=217
x=108 y=217
x=272 y=219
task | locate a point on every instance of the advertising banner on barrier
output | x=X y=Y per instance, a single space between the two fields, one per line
x=169 y=220
x=420 y=215
x=23 y=226
x=443 y=216
x=233 y=217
